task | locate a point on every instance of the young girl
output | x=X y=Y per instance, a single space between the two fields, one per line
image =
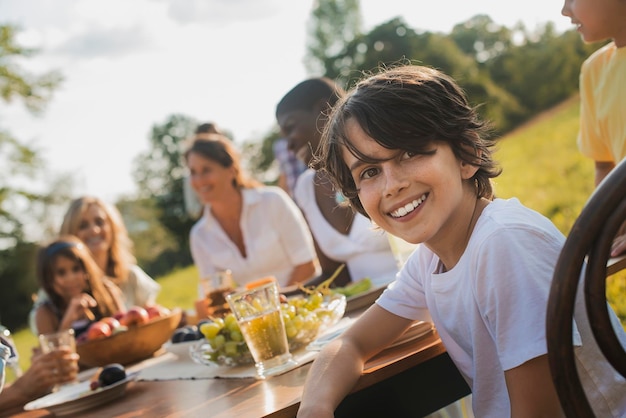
x=76 y=288
x=100 y=227
x=408 y=151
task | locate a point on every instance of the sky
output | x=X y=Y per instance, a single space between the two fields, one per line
x=129 y=65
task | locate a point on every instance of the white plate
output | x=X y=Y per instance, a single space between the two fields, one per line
x=78 y=397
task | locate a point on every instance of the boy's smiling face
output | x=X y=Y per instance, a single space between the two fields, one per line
x=417 y=197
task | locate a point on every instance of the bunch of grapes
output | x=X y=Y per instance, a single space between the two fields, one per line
x=304 y=318
x=226 y=344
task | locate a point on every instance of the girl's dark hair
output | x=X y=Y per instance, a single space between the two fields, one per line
x=72 y=248
x=407 y=108
x=217 y=147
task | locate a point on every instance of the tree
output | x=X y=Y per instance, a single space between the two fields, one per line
x=20 y=167
x=333 y=24
x=160 y=176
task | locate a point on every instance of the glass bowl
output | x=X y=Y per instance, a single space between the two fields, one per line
x=303 y=325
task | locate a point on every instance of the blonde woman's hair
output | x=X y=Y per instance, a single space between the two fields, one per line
x=119 y=254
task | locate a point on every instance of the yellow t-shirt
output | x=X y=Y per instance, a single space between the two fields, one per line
x=602 y=134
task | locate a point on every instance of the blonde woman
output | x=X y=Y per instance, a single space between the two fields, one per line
x=100 y=227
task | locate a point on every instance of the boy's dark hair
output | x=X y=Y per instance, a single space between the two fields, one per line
x=407 y=108
x=307 y=93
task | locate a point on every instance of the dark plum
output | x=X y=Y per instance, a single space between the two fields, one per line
x=111 y=373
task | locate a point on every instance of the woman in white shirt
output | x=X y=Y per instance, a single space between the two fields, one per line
x=246 y=227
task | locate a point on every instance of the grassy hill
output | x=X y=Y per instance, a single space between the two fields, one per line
x=541 y=166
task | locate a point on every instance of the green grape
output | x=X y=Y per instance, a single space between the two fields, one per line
x=210 y=329
x=236 y=336
x=229 y=320
x=218 y=341
x=230 y=348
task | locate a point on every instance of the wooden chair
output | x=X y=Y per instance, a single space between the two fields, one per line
x=590 y=239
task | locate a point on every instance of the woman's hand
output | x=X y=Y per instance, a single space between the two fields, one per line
x=46 y=370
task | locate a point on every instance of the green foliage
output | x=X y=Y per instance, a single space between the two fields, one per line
x=15 y=83
x=179 y=288
x=151 y=240
x=159 y=174
x=23 y=210
x=17 y=273
x=333 y=24
x=543 y=167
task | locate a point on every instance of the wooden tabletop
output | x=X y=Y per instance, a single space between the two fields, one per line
x=423 y=361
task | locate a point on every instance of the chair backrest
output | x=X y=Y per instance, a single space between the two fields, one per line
x=589 y=240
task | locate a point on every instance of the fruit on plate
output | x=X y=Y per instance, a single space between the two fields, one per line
x=186 y=333
x=108 y=375
x=135 y=316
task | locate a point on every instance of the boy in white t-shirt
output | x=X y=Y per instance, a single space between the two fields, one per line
x=408 y=151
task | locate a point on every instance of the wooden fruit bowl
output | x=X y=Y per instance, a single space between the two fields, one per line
x=135 y=344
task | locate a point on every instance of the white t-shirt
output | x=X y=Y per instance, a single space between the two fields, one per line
x=275 y=235
x=490 y=309
x=139 y=289
x=365 y=250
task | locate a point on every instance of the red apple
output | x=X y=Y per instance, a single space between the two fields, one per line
x=135 y=316
x=157 y=311
x=111 y=321
x=97 y=330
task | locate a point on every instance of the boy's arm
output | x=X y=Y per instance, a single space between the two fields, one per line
x=340 y=364
x=603 y=168
x=532 y=391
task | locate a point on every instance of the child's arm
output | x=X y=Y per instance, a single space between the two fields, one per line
x=532 y=391
x=77 y=309
x=340 y=364
x=45 y=320
x=602 y=170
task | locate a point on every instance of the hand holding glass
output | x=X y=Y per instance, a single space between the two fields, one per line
x=258 y=314
x=56 y=341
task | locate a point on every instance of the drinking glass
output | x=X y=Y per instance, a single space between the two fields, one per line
x=214 y=287
x=55 y=341
x=257 y=310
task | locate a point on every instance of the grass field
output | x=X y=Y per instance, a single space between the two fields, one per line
x=541 y=166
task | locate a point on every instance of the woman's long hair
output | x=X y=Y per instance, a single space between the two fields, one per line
x=119 y=255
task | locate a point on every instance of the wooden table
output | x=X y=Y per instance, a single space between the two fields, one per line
x=412 y=379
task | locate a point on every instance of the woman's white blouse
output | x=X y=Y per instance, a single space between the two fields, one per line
x=365 y=249
x=275 y=234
